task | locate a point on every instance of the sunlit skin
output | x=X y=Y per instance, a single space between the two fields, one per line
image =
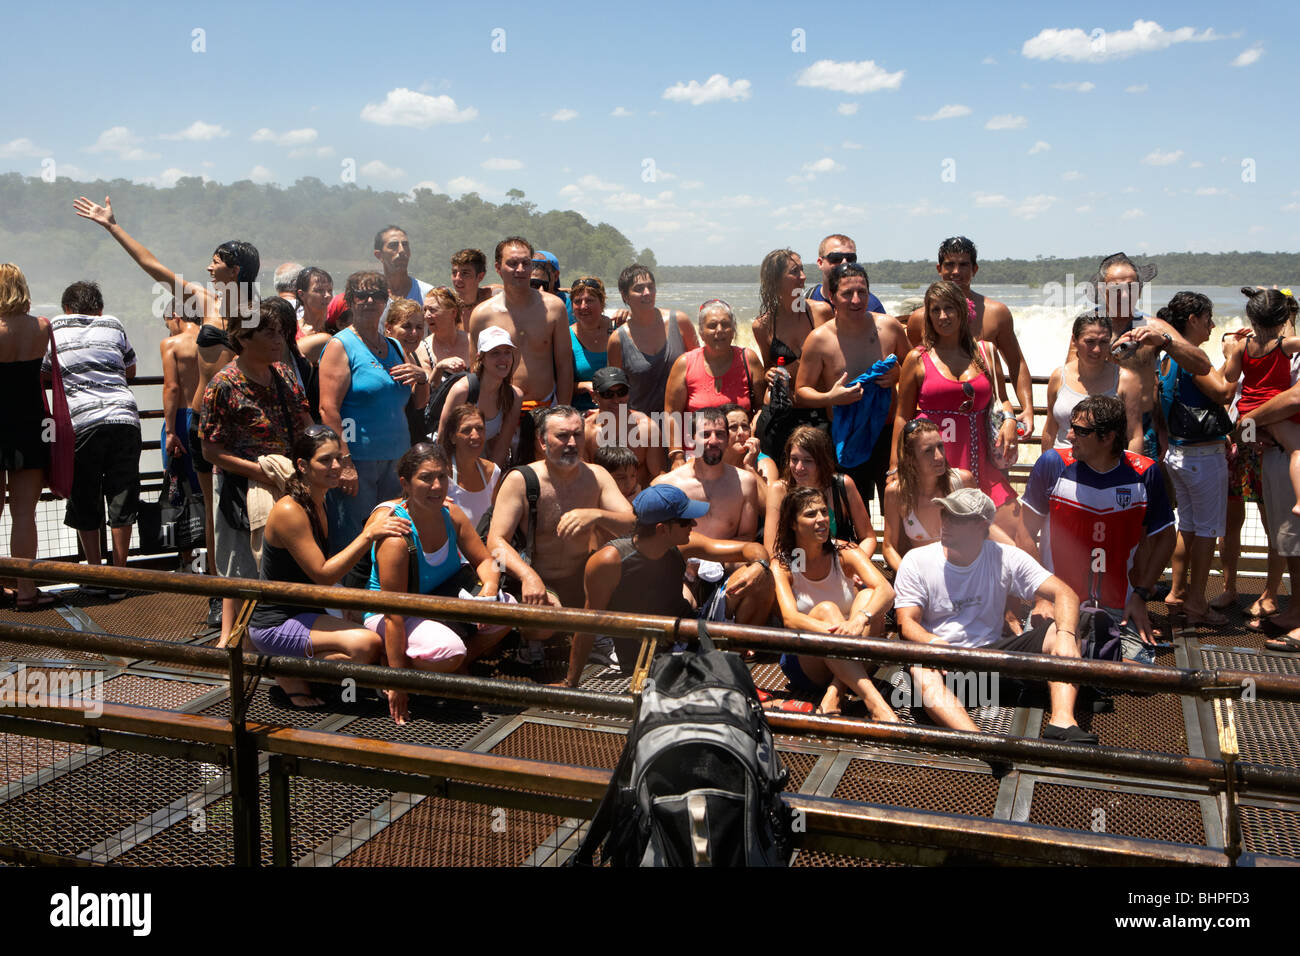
x=409 y=331
x=628 y=484
x=927 y=450
x=1091 y=372
x=789 y=326
x=717 y=328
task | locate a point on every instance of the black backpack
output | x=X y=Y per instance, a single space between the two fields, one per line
x=700 y=781
x=433 y=410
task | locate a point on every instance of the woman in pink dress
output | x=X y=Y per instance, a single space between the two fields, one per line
x=954 y=381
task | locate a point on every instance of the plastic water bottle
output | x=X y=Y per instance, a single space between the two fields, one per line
x=779 y=394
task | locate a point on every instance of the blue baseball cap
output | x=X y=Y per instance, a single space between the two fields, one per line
x=664 y=503
x=548 y=257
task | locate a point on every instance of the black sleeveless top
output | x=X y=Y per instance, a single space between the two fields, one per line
x=650 y=586
x=279 y=565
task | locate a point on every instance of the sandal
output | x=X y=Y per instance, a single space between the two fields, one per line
x=1283 y=644
x=1262 y=625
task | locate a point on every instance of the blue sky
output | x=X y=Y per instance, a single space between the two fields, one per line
x=711 y=133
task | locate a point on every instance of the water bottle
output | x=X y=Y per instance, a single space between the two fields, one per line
x=778 y=398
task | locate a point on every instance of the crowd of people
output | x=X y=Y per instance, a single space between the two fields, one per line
x=519 y=442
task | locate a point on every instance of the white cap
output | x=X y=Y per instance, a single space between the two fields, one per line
x=493 y=337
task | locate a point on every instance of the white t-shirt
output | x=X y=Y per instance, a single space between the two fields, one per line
x=965 y=606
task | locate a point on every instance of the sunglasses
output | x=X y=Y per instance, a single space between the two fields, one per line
x=969 y=391
x=913 y=425
x=1087 y=431
x=538 y=283
x=835 y=258
x=595 y=284
x=369 y=295
x=317 y=431
x=621 y=391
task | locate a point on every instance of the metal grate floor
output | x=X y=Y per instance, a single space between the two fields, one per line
x=1141 y=815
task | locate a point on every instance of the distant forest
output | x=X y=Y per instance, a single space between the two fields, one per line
x=1176 y=268
x=308 y=222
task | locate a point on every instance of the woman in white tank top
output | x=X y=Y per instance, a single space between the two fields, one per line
x=474 y=479
x=911 y=518
x=815 y=592
x=1089 y=372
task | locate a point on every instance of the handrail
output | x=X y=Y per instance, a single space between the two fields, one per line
x=1139 y=677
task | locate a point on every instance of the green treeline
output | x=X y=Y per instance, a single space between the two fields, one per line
x=309 y=222
x=1176 y=268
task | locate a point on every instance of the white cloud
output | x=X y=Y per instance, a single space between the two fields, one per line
x=823 y=165
x=1070 y=175
x=1195 y=164
x=463 y=184
x=989 y=61
x=861 y=76
x=199 y=132
x=563 y=115
x=1247 y=57
x=403 y=107
x=663 y=225
x=377 y=169
x=260 y=174
x=292 y=137
x=502 y=165
x=1291 y=207
x=847 y=144
x=166 y=179
x=120 y=140
x=692 y=184
x=592 y=181
x=990 y=199
x=321 y=152
x=1082 y=209
x=619 y=111
x=1157 y=158
x=949 y=111
x=76 y=172
x=1211 y=191
x=1006 y=121
x=1031 y=206
x=715 y=88
x=1137 y=88
x=847 y=109
x=923 y=208
x=21 y=147
x=1132 y=214
x=428 y=184
x=1076 y=46
x=1075 y=86
x=1039 y=147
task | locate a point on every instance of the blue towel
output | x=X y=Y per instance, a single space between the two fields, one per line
x=856 y=428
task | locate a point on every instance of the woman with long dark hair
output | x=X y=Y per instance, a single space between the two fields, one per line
x=499 y=399
x=294 y=548
x=809 y=462
x=474 y=479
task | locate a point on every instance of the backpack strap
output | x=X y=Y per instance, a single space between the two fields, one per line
x=839 y=491
x=471 y=396
x=533 y=491
x=412 y=565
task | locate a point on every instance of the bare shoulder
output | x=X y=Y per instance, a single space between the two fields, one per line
x=482 y=313
x=996 y=311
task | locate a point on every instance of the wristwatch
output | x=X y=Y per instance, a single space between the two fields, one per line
x=1169 y=340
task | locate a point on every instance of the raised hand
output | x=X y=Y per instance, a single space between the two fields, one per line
x=94 y=211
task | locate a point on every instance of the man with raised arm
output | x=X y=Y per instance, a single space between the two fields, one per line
x=393 y=250
x=842 y=350
x=992 y=323
x=833 y=250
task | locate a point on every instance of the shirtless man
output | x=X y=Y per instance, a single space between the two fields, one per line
x=180 y=373
x=992 y=323
x=833 y=250
x=611 y=422
x=468 y=267
x=231 y=293
x=733 y=494
x=841 y=350
x=393 y=250
x=575 y=497
x=537 y=324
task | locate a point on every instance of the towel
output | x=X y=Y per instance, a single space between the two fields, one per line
x=856 y=428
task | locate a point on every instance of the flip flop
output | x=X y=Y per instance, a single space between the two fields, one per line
x=1224 y=601
x=1074 y=734
x=1262 y=625
x=1283 y=644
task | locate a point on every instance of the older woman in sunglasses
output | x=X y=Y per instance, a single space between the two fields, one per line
x=712 y=375
x=956 y=382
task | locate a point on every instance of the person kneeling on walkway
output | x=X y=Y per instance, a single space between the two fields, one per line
x=954 y=592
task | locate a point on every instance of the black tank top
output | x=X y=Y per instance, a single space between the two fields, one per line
x=650 y=586
x=279 y=565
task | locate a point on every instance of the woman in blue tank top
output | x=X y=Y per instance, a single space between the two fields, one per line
x=589 y=336
x=441 y=535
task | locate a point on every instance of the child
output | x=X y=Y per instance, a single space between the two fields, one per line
x=1261 y=358
x=404 y=322
x=621 y=464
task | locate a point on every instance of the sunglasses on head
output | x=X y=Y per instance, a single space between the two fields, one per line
x=318 y=430
x=590 y=284
x=835 y=258
x=911 y=427
x=1087 y=431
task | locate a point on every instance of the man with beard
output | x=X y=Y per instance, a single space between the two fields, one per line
x=733 y=495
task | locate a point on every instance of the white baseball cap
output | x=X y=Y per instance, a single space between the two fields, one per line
x=493 y=337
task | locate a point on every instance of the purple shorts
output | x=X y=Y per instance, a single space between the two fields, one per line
x=290 y=639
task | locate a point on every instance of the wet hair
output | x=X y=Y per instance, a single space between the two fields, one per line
x=455 y=418
x=956 y=246
x=15 y=297
x=369 y=280
x=833 y=237
x=630 y=275
x=242 y=256
x=614 y=457
x=589 y=284
x=513 y=241
x=1267 y=308
x=305 y=446
x=379 y=236
x=1087 y=320
x=705 y=416
x=842 y=272
x=951 y=293
x=554 y=411
x=791 y=506
x=302 y=284
x=909 y=485
x=471 y=257
x=82 y=298
x=1107 y=415
x=773 y=268
x=1182 y=307
x=818 y=446
x=417 y=455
